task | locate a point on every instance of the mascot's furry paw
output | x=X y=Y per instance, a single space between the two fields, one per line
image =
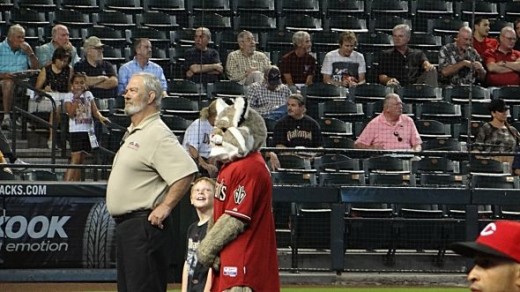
x=225 y=230
x=216 y=264
x=206 y=253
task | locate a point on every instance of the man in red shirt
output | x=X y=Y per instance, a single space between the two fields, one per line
x=503 y=63
x=481 y=41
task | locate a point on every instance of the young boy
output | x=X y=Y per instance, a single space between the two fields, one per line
x=196 y=277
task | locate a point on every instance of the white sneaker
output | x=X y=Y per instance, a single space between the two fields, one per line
x=18 y=161
x=6 y=124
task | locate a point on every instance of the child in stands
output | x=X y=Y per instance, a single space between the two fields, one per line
x=81 y=109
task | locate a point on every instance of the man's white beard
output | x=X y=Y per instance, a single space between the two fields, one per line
x=132 y=109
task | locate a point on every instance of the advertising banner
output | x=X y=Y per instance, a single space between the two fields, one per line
x=55 y=226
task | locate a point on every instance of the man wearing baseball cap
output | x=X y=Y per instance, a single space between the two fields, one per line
x=497 y=257
x=269 y=97
x=101 y=76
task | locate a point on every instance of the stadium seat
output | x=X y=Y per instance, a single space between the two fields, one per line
x=419 y=93
x=429 y=129
x=86 y=6
x=335 y=127
x=345 y=7
x=107 y=35
x=158 y=20
x=115 y=19
x=442 y=144
x=342 y=110
x=179 y=106
x=387 y=23
x=187 y=89
x=129 y=7
x=225 y=89
x=338 y=142
x=255 y=6
x=461 y=94
x=391 y=7
x=177 y=124
x=440 y=111
x=72 y=18
x=369 y=92
x=255 y=22
x=213 y=21
x=39 y=175
x=298 y=22
x=347 y=23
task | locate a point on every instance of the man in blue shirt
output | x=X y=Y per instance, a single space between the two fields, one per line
x=140 y=63
x=15 y=55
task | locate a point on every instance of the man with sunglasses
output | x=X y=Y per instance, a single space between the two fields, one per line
x=391 y=129
x=503 y=63
x=497 y=258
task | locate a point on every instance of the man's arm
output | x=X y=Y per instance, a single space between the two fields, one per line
x=288 y=79
x=33 y=59
x=449 y=70
x=387 y=80
x=175 y=193
x=216 y=68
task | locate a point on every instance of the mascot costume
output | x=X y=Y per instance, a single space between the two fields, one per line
x=241 y=244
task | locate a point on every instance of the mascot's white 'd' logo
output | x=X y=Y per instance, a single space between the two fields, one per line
x=238 y=130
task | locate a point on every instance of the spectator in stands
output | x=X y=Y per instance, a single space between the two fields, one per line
x=60 y=39
x=404 y=66
x=55 y=77
x=143 y=189
x=81 y=109
x=15 y=55
x=196 y=277
x=269 y=97
x=246 y=65
x=3 y=161
x=459 y=63
x=496 y=257
x=196 y=140
x=101 y=75
x=517 y=30
x=141 y=63
x=497 y=135
x=503 y=62
x=481 y=41
x=8 y=152
x=298 y=66
x=202 y=63
x=391 y=129
x=296 y=129
x=344 y=66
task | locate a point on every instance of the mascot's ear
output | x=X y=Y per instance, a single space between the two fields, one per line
x=220 y=105
x=241 y=107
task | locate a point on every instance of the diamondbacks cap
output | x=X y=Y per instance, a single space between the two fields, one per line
x=274 y=77
x=499 y=239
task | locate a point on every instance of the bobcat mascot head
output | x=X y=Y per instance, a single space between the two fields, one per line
x=238 y=130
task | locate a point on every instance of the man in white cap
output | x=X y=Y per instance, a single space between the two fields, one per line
x=269 y=97
x=101 y=75
x=497 y=257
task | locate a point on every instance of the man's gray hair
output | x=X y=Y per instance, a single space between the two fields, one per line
x=299 y=37
x=152 y=83
x=404 y=27
x=205 y=31
x=389 y=97
x=242 y=35
x=14 y=29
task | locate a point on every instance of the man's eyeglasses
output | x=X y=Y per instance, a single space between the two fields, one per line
x=399 y=139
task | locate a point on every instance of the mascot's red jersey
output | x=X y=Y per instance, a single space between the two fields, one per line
x=244 y=191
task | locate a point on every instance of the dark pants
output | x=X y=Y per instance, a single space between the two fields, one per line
x=143 y=255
